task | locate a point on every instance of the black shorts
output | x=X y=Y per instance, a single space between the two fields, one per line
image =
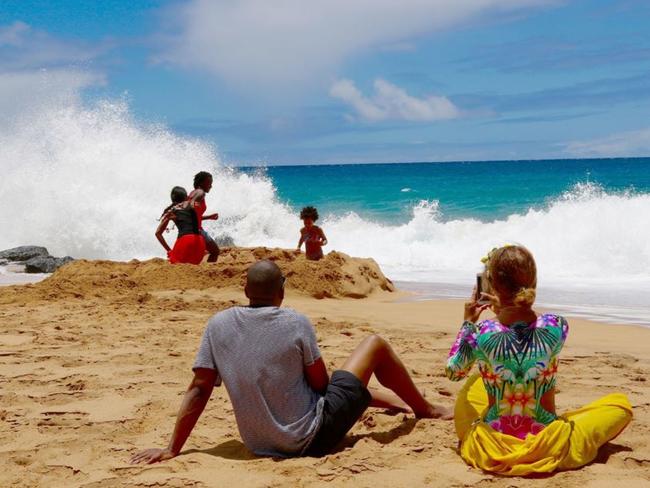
x=345 y=401
x=210 y=243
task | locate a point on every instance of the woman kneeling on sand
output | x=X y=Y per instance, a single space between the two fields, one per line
x=507 y=422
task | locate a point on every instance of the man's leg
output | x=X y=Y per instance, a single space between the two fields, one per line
x=375 y=355
x=347 y=395
x=211 y=246
x=213 y=250
x=387 y=399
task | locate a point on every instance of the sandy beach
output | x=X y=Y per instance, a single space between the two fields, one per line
x=95 y=359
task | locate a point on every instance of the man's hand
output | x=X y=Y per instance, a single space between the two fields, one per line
x=150 y=456
x=194 y=402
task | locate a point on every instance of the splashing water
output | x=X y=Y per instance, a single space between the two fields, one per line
x=90 y=181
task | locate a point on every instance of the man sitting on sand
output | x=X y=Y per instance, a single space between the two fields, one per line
x=284 y=401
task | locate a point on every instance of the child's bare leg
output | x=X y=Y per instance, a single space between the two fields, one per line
x=388 y=400
x=375 y=355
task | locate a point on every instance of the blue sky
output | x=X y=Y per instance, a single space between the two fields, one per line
x=291 y=82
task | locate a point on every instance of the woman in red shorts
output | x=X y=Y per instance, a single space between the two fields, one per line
x=190 y=244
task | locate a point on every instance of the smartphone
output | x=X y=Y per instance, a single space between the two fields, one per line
x=480 y=288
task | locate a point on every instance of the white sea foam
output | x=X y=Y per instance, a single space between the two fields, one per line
x=586 y=235
x=90 y=181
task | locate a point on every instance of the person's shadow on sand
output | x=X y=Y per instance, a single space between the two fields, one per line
x=386 y=437
x=608 y=450
x=236 y=450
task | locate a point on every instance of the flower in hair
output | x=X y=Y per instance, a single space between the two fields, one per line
x=485 y=259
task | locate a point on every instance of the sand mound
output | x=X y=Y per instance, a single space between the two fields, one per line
x=335 y=276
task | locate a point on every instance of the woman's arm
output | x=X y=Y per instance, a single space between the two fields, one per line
x=461 y=356
x=197 y=196
x=162 y=227
x=563 y=325
x=323 y=239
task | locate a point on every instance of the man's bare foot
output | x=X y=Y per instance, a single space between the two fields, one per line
x=436 y=412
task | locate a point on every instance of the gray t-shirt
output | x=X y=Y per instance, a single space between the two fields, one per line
x=260 y=353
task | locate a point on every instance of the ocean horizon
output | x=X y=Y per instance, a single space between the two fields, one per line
x=450 y=161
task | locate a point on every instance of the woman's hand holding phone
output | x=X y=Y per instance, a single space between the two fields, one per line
x=473 y=308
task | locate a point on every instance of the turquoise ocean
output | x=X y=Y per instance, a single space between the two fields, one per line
x=483 y=190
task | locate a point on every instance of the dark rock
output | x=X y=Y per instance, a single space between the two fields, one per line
x=23 y=253
x=224 y=240
x=40 y=264
x=45 y=264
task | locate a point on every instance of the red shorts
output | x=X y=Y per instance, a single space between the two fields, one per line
x=188 y=249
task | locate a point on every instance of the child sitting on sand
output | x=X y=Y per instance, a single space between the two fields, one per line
x=311 y=234
x=507 y=423
x=190 y=244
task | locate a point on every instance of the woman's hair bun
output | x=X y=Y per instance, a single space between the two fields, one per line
x=525 y=297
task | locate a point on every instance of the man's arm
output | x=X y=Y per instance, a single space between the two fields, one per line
x=194 y=402
x=317 y=376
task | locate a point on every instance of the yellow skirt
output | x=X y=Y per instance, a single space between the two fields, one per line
x=569 y=442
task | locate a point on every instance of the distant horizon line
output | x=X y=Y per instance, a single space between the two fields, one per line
x=534 y=160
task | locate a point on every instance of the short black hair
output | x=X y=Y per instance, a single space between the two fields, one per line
x=178 y=195
x=264 y=280
x=309 y=213
x=200 y=178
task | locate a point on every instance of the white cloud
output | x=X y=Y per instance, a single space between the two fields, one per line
x=286 y=42
x=629 y=144
x=390 y=102
x=23 y=47
x=37 y=68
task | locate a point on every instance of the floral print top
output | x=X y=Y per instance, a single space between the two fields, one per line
x=518 y=365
